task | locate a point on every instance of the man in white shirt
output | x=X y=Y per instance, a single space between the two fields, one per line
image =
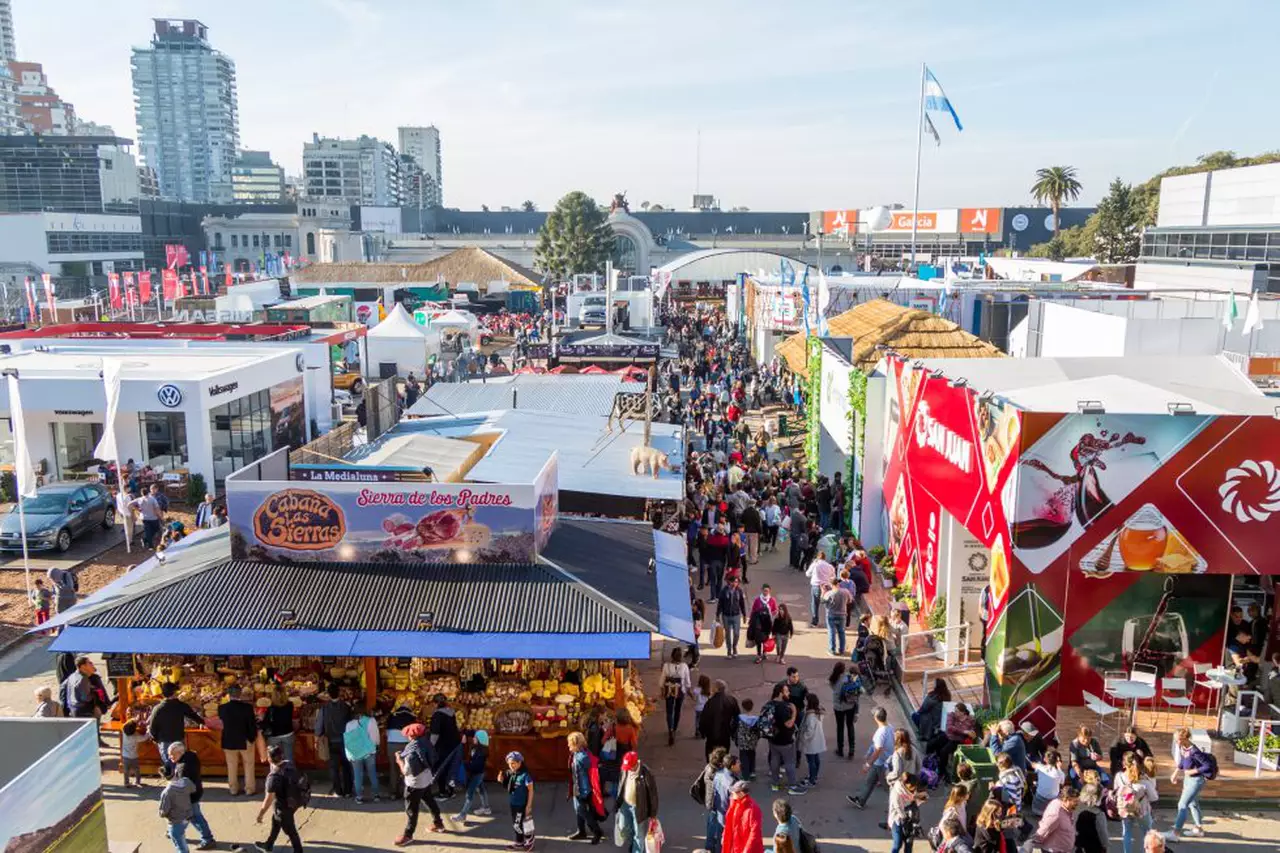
x=820 y=573
x=148 y=506
x=878 y=754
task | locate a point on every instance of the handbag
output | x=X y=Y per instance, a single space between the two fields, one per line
x=717 y=636
x=322 y=748
x=523 y=826
x=654 y=838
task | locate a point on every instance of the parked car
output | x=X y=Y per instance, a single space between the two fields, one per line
x=347 y=380
x=56 y=515
x=592 y=312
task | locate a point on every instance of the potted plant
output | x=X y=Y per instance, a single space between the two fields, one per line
x=936 y=620
x=888 y=575
x=1246 y=751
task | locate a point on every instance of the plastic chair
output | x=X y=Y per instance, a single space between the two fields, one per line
x=1212 y=688
x=1144 y=673
x=1173 y=693
x=1109 y=678
x=1102 y=709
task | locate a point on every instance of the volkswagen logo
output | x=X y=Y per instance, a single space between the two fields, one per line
x=170 y=396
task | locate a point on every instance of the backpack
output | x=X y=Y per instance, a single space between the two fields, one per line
x=931 y=771
x=1208 y=765
x=850 y=690
x=910 y=819
x=297 y=788
x=356 y=740
x=768 y=720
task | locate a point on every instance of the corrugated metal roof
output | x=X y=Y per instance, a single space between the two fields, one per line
x=247 y=596
x=591 y=459
x=579 y=545
x=575 y=395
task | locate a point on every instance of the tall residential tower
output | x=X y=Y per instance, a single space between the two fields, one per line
x=423 y=145
x=188 y=120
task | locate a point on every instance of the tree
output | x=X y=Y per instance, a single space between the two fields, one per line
x=575 y=238
x=644 y=205
x=1119 y=227
x=528 y=206
x=484 y=208
x=656 y=208
x=1053 y=186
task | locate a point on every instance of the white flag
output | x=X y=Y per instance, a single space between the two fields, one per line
x=107 y=449
x=824 y=300
x=1253 y=315
x=24 y=471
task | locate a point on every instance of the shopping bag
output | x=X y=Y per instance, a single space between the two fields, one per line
x=619 y=837
x=769 y=646
x=322 y=748
x=524 y=827
x=717 y=636
x=654 y=838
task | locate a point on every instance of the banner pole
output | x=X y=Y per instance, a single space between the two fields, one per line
x=915 y=204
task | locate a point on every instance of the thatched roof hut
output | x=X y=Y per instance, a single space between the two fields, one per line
x=467 y=264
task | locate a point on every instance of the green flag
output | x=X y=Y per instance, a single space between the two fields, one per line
x=1230 y=314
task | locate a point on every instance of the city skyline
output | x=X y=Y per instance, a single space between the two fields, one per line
x=822 y=115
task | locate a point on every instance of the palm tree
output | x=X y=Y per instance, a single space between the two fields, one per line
x=1053 y=186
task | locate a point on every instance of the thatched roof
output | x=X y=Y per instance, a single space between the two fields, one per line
x=467 y=264
x=910 y=331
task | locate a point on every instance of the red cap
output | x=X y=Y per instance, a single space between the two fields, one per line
x=630 y=761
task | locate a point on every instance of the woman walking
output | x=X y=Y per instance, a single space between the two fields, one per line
x=1194 y=769
x=675 y=684
x=844 y=702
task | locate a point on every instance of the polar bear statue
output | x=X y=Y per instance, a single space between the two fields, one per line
x=649 y=459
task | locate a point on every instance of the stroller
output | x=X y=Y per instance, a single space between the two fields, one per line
x=873 y=665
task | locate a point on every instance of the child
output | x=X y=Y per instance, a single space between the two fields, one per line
x=475 y=779
x=129 y=740
x=519 y=786
x=1049 y=778
x=746 y=735
x=42 y=601
x=700 y=694
x=812 y=740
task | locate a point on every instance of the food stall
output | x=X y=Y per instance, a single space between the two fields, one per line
x=396 y=592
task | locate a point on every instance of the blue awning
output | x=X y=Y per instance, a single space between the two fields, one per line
x=624 y=646
x=675 y=612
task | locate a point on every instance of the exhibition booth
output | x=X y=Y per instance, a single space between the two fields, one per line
x=1115 y=509
x=396 y=592
x=397 y=346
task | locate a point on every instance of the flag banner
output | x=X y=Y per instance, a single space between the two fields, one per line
x=113 y=290
x=228 y=279
x=935 y=100
x=144 y=281
x=144 y=287
x=49 y=293
x=106 y=449
x=1252 y=315
x=204 y=281
x=175 y=256
x=804 y=292
x=1230 y=312
x=30 y=287
x=169 y=285
x=786 y=273
x=23 y=470
x=131 y=293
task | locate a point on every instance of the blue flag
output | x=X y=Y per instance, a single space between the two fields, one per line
x=804 y=292
x=787 y=273
x=935 y=100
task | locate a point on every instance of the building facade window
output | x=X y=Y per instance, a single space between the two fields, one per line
x=164 y=439
x=73 y=445
x=235 y=242
x=217 y=240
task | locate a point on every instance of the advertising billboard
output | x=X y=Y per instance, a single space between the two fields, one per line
x=839 y=222
x=546 y=500
x=53 y=798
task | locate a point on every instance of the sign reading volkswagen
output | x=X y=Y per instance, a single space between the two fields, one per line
x=170 y=396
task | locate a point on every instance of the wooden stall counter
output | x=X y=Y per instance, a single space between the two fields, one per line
x=547 y=758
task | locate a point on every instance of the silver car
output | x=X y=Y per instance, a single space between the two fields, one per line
x=56 y=515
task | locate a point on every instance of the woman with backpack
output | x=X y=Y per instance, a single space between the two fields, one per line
x=1135 y=792
x=844 y=702
x=360 y=741
x=1195 y=767
x=416 y=761
x=1092 y=833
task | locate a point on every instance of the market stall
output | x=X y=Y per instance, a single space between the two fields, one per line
x=396 y=592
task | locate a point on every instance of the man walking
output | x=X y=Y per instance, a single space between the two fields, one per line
x=731 y=610
x=719 y=718
x=284 y=790
x=239 y=733
x=446 y=740
x=76 y=692
x=837 y=601
x=752 y=525
x=778 y=721
x=820 y=574
x=175 y=808
x=878 y=754
x=148 y=506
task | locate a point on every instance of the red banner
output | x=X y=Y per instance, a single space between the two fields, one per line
x=144 y=293
x=169 y=285
x=30 y=287
x=113 y=289
x=175 y=256
x=144 y=284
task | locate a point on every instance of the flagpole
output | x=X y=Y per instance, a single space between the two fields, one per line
x=915 y=204
x=22 y=531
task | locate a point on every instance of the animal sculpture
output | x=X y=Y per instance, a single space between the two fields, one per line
x=650 y=459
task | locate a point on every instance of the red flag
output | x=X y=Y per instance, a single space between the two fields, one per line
x=169 y=279
x=144 y=287
x=48 y=295
x=31 y=299
x=113 y=285
x=175 y=256
x=228 y=279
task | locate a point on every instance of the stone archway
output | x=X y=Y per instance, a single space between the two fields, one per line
x=636 y=243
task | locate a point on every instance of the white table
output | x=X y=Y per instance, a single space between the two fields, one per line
x=1227 y=678
x=1132 y=691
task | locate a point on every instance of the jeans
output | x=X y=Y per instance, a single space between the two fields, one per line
x=901 y=841
x=285 y=742
x=835 y=630
x=673 y=711
x=150 y=532
x=844 y=723
x=815 y=602
x=732 y=631
x=780 y=646
x=178 y=835
x=202 y=826
x=586 y=815
x=1134 y=828
x=475 y=786
x=748 y=759
x=632 y=834
x=339 y=769
x=413 y=800
x=715 y=569
x=824 y=518
x=780 y=759
x=1189 y=802
x=815 y=764
x=362 y=767
x=282 y=819
x=714 y=831
x=874 y=777
x=696 y=559
x=753 y=548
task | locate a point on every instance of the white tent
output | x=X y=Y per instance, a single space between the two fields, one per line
x=399 y=346
x=456 y=319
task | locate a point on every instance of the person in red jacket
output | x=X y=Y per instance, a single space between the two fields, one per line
x=742 y=822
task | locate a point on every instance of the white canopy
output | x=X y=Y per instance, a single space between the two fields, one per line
x=398 y=345
x=455 y=318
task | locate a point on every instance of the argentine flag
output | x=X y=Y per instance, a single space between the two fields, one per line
x=935 y=100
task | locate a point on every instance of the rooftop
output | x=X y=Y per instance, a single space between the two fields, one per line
x=138 y=365
x=467 y=264
x=1210 y=384
x=567 y=394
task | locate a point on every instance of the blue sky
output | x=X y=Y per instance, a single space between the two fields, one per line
x=800 y=106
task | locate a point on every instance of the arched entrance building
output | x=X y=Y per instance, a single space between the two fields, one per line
x=633 y=244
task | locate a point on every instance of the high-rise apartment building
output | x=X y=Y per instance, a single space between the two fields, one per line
x=188 y=119
x=257 y=180
x=8 y=45
x=39 y=107
x=67 y=174
x=351 y=171
x=423 y=145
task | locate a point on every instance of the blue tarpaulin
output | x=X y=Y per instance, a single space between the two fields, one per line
x=675 y=613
